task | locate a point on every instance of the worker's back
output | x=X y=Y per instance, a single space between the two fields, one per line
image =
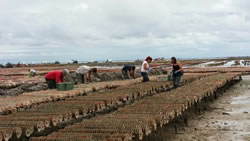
x=127 y=68
x=55 y=75
x=83 y=69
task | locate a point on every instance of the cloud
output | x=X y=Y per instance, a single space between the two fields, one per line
x=100 y=29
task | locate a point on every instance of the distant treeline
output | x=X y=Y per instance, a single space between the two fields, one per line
x=136 y=62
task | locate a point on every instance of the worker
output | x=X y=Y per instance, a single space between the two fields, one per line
x=177 y=72
x=55 y=77
x=84 y=74
x=128 y=71
x=32 y=72
x=146 y=68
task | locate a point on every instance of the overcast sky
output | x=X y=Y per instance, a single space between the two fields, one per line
x=49 y=30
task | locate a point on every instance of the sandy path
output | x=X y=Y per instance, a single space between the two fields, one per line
x=228 y=118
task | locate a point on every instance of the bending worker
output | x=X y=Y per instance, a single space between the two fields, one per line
x=145 y=68
x=128 y=71
x=32 y=72
x=55 y=77
x=84 y=73
x=177 y=72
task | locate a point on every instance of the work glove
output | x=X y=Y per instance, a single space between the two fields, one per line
x=150 y=69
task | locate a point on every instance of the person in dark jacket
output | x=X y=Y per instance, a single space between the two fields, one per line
x=128 y=71
x=55 y=77
x=177 y=72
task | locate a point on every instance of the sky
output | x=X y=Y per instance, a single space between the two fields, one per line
x=85 y=30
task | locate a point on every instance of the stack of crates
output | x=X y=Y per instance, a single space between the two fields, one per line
x=65 y=86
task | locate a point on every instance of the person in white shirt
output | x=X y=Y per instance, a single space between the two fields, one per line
x=84 y=73
x=32 y=72
x=145 y=68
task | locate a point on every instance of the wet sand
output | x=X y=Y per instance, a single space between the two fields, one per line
x=227 y=118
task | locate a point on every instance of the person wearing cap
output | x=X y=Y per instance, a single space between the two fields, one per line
x=145 y=68
x=55 y=77
x=84 y=73
x=32 y=72
x=128 y=71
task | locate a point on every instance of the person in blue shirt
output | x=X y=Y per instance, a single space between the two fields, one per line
x=177 y=72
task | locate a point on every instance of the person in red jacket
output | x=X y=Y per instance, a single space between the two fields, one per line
x=55 y=77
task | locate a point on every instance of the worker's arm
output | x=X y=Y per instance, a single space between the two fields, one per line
x=128 y=74
x=85 y=75
x=89 y=76
x=146 y=67
x=180 y=65
x=133 y=74
x=62 y=78
x=58 y=78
